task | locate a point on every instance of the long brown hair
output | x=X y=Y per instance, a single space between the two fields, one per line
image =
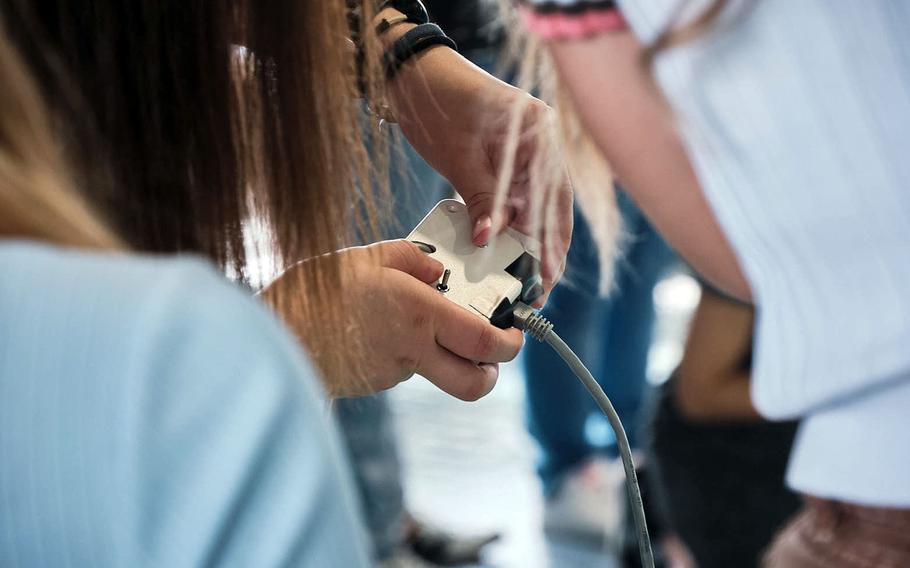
x=207 y=125
x=37 y=200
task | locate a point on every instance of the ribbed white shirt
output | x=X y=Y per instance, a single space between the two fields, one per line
x=797 y=118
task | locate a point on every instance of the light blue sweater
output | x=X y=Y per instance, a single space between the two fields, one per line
x=153 y=415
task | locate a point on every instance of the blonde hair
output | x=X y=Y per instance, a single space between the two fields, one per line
x=590 y=174
x=37 y=200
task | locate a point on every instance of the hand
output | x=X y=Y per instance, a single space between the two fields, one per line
x=400 y=325
x=458 y=118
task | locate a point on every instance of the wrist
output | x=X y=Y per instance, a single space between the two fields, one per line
x=392 y=23
x=444 y=79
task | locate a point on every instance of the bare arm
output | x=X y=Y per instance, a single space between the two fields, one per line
x=629 y=121
x=711 y=382
x=456 y=115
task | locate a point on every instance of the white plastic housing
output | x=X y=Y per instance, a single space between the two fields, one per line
x=478 y=280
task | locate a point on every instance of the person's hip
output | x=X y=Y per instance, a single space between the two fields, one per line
x=832 y=534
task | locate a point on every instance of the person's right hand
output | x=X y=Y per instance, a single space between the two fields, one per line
x=400 y=325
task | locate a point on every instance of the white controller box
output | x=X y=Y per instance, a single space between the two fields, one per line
x=480 y=279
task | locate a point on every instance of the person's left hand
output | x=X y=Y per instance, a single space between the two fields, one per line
x=458 y=117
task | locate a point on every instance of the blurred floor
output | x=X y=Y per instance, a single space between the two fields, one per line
x=469 y=467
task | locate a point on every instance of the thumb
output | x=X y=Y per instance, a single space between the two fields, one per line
x=407 y=257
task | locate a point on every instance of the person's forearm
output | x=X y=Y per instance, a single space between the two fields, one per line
x=712 y=381
x=409 y=90
x=430 y=81
x=628 y=120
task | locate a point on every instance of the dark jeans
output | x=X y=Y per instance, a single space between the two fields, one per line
x=612 y=336
x=369 y=434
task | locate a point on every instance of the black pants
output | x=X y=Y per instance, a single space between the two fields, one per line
x=721 y=485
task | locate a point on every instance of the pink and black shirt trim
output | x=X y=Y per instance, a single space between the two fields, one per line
x=568 y=19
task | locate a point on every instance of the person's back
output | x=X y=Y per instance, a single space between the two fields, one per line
x=152 y=415
x=783 y=178
x=797 y=121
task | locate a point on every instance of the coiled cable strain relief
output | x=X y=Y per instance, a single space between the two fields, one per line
x=530 y=322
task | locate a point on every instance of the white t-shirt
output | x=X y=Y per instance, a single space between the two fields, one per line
x=796 y=116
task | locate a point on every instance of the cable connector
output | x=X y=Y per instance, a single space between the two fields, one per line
x=531 y=322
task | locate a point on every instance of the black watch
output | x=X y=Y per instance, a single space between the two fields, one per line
x=413 y=9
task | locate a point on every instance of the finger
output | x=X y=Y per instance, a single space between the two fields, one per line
x=473 y=337
x=492 y=223
x=407 y=257
x=480 y=209
x=480 y=198
x=549 y=280
x=483 y=228
x=457 y=376
x=553 y=263
x=557 y=236
x=548 y=284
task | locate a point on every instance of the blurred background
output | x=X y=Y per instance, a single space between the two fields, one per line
x=470 y=467
x=529 y=476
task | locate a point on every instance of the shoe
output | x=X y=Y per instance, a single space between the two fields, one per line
x=589 y=505
x=442 y=548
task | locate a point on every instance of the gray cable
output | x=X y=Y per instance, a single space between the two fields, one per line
x=541 y=329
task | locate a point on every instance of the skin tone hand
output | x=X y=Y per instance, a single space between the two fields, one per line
x=457 y=117
x=400 y=325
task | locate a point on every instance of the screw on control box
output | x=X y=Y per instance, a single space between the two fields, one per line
x=484 y=280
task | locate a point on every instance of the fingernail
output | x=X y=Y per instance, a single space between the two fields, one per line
x=482 y=230
x=436 y=269
x=491 y=370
